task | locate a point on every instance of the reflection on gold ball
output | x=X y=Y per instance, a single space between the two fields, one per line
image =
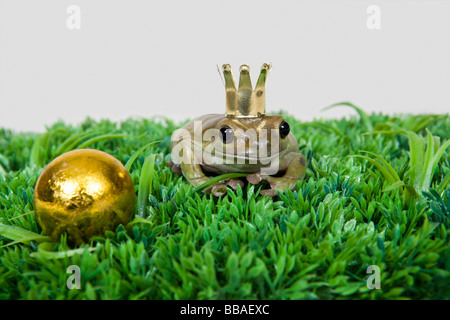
x=83 y=193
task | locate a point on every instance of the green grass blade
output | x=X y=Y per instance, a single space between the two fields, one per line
x=145 y=184
x=137 y=153
x=399 y=184
x=35 y=154
x=24 y=240
x=22 y=215
x=327 y=128
x=387 y=165
x=437 y=157
x=443 y=185
x=411 y=190
x=416 y=150
x=139 y=219
x=4 y=163
x=71 y=142
x=40 y=151
x=362 y=115
x=60 y=254
x=394 y=186
x=216 y=179
x=383 y=132
x=428 y=163
x=21 y=235
x=46 y=142
x=91 y=141
x=386 y=174
x=420 y=122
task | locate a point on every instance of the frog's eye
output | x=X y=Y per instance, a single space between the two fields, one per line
x=227 y=134
x=284 y=129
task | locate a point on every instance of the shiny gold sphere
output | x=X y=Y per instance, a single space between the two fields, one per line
x=83 y=193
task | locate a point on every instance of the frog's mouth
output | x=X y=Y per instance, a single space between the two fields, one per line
x=222 y=158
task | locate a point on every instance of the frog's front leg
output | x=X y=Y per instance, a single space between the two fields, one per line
x=195 y=175
x=191 y=168
x=295 y=171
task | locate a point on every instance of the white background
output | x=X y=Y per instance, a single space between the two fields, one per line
x=146 y=58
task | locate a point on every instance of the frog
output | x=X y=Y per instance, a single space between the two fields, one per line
x=243 y=140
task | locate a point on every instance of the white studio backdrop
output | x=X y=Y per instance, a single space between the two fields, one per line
x=66 y=60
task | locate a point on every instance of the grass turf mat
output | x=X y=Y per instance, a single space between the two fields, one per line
x=376 y=192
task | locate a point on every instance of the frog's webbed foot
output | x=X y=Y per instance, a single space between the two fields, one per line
x=196 y=176
x=220 y=188
x=217 y=189
x=256 y=178
x=295 y=171
x=234 y=182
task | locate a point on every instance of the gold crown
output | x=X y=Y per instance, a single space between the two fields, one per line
x=245 y=102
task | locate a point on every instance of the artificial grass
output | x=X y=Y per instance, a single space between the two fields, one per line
x=353 y=209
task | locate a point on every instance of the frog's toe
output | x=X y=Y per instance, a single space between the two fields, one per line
x=219 y=189
x=254 y=178
x=234 y=182
x=281 y=183
x=268 y=192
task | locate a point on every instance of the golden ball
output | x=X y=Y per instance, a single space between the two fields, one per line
x=83 y=193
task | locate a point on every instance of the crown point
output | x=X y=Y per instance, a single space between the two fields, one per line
x=266 y=66
x=226 y=67
x=244 y=68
